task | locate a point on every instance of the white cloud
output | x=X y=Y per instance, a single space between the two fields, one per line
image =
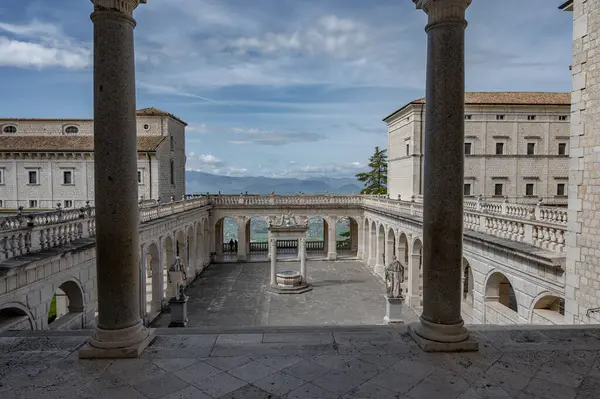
x=209 y=159
x=41 y=45
x=265 y=137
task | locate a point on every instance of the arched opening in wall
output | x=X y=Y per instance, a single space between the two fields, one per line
x=549 y=310
x=226 y=240
x=346 y=231
x=66 y=308
x=168 y=260
x=15 y=319
x=190 y=252
x=417 y=262
x=317 y=237
x=467 y=291
x=380 y=257
x=390 y=246
x=200 y=246
x=180 y=248
x=257 y=234
x=372 y=244
x=500 y=301
x=153 y=281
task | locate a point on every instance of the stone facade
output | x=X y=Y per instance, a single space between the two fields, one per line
x=154 y=164
x=583 y=240
x=528 y=122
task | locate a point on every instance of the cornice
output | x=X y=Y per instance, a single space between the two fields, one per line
x=124 y=6
x=443 y=11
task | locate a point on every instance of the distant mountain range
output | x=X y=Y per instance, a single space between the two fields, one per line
x=200 y=182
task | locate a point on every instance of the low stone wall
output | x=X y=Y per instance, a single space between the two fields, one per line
x=496 y=313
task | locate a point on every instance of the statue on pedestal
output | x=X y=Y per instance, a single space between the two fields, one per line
x=394 y=276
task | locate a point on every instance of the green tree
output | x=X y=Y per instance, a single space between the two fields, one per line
x=375 y=180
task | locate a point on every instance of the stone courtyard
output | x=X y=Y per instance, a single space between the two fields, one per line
x=371 y=362
x=234 y=295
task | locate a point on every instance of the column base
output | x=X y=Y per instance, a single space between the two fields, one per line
x=446 y=337
x=118 y=344
x=331 y=256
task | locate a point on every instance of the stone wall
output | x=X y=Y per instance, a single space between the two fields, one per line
x=483 y=169
x=583 y=240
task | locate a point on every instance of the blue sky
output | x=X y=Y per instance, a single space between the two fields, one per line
x=283 y=88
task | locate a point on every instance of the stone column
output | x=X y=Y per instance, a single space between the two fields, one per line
x=441 y=325
x=332 y=237
x=414 y=280
x=242 y=238
x=119 y=331
x=302 y=251
x=273 y=247
x=360 y=232
x=372 y=245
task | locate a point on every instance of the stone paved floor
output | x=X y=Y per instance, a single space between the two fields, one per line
x=234 y=295
x=309 y=363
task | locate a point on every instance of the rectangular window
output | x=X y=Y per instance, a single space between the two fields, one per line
x=468 y=117
x=530 y=148
x=172 y=143
x=562 y=118
x=408 y=149
x=499 y=117
x=1 y=203
x=467 y=189
x=1 y=175
x=530 y=117
x=140 y=177
x=68 y=177
x=499 y=148
x=529 y=189
x=33 y=203
x=560 y=189
x=498 y=189
x=562 y=148
x=68 y=203
x=467 y=148
x=172 y=172
x=33 y=177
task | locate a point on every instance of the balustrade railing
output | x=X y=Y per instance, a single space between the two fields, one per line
x=538 y=225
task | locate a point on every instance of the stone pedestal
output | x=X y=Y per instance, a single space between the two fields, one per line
x=120 y=331
x=290 y=282
x=394 y=310
x=178 y=312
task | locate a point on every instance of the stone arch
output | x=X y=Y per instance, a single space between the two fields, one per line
x=547 y=308
x=168 y=258
x=16 y=316
x=501 y=305
x=190 y=251
x=200 y=246
x=257 y=235
x=390 y=245
x=153 y=279
x=402 y=254
x=226 y=233
x=346 y=230
x=180 y=245
x=380 y=259
x=372 y=244
x=317 y=236
x=66 y=310
x=467 y=282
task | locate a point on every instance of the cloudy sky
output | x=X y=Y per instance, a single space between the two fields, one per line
x=275 y=87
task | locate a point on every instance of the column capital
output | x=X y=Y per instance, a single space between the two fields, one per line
x=441 y=11
x=123 y=6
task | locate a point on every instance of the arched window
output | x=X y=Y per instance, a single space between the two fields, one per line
x=10 y=129
x=172 y=172
x=72 y=130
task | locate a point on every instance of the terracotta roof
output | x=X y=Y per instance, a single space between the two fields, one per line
x=139 y=112
x=157 y=112
x=66 y=143
x=506 y=98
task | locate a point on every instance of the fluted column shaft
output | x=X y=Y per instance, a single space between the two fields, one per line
x=273 y=247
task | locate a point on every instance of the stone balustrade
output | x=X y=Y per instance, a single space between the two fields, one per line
x=539 y=225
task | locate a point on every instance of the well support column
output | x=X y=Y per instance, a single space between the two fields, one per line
x=119 y=332
x=273 y=247
x=441 y=325
x=332 y=239
x=302 y=251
